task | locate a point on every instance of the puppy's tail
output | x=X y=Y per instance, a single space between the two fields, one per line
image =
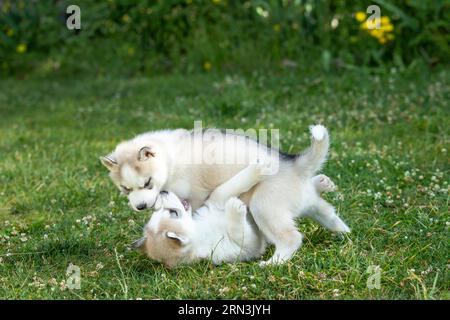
x=310 y=161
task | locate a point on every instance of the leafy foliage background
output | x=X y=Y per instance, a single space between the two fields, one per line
x=192 y=35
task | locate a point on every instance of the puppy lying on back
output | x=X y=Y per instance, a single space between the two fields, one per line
x=218 y=230
x=222 y=230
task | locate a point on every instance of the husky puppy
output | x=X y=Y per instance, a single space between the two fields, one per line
x=155 y=161
x=220 y=230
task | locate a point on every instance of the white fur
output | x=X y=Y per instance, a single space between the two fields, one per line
x=221 y=229
x=318 y=132
x=215 y=231
x=274 y=203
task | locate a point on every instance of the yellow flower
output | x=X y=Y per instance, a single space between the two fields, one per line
x=378 y=28
x=385 y=20
x=276 y=27
x=21 y=48
x=126 y=18
x=373 y=23
x=10 y=32
x=369 y=24
x=387 y=27
x=376 y=33
x=207 y=65
x=360 y=16
x=130 y=51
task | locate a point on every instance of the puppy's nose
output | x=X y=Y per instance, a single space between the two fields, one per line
x=141 y=206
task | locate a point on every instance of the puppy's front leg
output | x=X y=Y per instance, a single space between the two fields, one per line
x=236 y=211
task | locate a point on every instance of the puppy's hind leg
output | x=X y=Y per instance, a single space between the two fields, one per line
x=323 y=183
x=279 y=229
x=325 y=214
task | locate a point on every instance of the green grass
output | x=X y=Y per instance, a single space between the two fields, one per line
x=389 y=158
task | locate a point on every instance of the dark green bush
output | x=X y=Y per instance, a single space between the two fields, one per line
x=189 y=35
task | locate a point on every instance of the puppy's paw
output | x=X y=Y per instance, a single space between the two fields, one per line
x=271 y=262
x=263 y=263
x=340 y=226
x=324 y=184
x=234 y=205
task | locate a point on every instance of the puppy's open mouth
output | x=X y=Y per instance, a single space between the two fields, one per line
x=186 y=204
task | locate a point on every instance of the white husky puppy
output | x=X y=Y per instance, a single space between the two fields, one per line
x=156 y=161
x=220 y=230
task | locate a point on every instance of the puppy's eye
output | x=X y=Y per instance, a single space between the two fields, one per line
x=125 y=190
x=147 y=184
x=173 y=213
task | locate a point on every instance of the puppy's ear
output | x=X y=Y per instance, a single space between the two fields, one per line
x=139 y=244
x=172 y=235
x=109 y=162
x=145 y=153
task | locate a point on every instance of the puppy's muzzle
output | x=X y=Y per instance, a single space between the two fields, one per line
x=142 y=199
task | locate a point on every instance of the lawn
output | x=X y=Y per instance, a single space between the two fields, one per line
x=389 y=158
